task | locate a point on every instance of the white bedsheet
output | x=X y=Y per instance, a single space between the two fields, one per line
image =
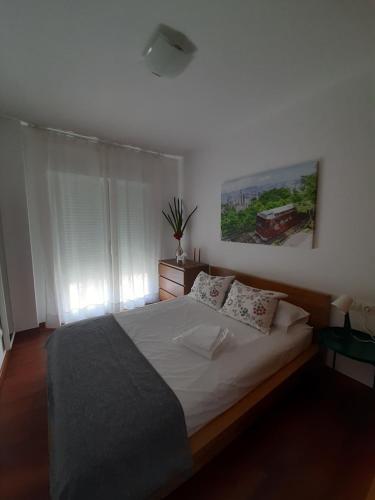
x=205 y=387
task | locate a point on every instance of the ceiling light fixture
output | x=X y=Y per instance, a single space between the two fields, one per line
x=168 y=52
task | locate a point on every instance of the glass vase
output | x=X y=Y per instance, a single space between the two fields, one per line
x=179 y=253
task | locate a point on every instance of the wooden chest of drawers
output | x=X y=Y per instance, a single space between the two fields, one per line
x=175 y=279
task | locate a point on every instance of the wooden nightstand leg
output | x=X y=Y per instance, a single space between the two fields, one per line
x=334 y=360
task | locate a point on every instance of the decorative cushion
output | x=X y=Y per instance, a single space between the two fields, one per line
x=210 y=290
x=252 y=306
x=288 y=314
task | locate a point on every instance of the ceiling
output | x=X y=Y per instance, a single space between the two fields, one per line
x=77 y=64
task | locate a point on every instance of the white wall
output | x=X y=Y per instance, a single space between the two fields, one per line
x=334 y=125
x=16 y=227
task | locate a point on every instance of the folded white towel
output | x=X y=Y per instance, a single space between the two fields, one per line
x=204 y=339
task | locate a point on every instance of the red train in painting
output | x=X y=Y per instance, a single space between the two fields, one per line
x=272 y=223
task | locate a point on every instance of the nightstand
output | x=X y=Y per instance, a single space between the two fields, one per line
x=176 y=280
x=342 y=341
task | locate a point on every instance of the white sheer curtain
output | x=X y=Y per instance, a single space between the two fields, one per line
x=95 y=225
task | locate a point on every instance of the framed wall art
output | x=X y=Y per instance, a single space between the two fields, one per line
x=274 y=207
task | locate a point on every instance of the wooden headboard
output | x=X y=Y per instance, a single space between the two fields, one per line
x=316 y=303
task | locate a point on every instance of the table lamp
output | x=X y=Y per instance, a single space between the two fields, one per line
x=343 y=303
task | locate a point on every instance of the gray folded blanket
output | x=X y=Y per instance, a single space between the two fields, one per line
x=117 y=430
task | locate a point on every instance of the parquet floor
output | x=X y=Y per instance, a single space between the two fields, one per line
x=317 y=444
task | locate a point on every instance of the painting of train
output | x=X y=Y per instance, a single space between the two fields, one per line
x=275 y=207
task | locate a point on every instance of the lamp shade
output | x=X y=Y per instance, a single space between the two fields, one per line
x=343 y=303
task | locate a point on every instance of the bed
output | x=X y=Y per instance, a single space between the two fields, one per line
x=214 y=436
x=217 y=396
x=204 y=387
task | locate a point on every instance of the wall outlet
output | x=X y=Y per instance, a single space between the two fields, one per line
x=368 y=309
x=362 y=307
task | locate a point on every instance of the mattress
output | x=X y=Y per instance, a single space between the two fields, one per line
x=206 y=388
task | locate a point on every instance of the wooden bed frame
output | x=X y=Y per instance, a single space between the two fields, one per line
x=220 y=431
x=214 y=436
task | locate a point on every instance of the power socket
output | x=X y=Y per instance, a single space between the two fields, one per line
x=361 y=307
x=367 y=309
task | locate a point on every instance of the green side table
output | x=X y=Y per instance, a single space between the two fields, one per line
x=344 y=342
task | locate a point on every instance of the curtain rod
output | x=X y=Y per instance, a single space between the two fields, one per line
x=90 y=138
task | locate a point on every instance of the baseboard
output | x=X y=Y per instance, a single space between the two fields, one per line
x=30 y=330
x=4 y=367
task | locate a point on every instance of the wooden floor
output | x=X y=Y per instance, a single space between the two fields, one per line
x=318 y=443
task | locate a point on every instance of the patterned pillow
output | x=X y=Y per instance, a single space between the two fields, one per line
x=210 y=290
x=252 y=306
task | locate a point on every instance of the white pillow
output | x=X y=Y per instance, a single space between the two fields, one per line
x=288 y=314
x=210 y=290
x=252 y=306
